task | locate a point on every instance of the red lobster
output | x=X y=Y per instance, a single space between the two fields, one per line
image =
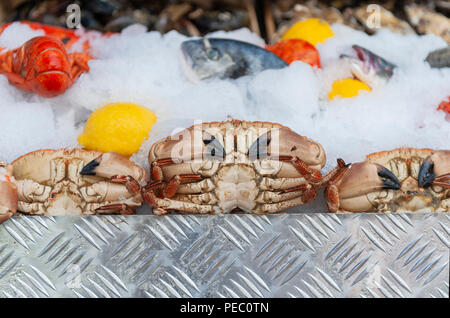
x=43 y=66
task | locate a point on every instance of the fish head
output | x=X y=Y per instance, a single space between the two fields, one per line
x=206 y=58
x=369 y=67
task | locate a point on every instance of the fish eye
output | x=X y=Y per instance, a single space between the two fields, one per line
x=213 y=54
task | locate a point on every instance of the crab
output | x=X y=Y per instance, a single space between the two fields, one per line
x=221 y=167
x=72 y=182
x=404 y=179
x=8 y=192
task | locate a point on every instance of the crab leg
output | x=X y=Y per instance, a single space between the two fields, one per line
x=168 y=189
x=308 y=192
x=276 y=207
x=305 y=194
x=156 y=167
x=443 y=181
x=331 y=191
x=172 y=186
x=281 y=183
x=36 y=208
x=204 y=198
x=115 y=208
x=148 y=195
x=334 y=175
x=302 y=167
x=163 y=205
x=132 y=185
x=206 y=185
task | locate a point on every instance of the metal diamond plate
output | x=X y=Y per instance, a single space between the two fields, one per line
x=284 y=255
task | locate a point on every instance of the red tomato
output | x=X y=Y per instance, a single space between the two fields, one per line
x=296 y=50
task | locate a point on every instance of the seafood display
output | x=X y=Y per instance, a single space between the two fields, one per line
x=217 y=167
x=71 y=182
x=224 y=148
x=223 y=166
x=223 y=58
x=404 y=179
x=43 y=66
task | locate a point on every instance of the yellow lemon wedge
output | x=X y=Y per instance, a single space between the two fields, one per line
x=312 y=30
x=117 y=127
x=347 y=87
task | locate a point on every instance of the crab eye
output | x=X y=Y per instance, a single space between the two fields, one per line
x=259 y=149
x=214 y=150
x=213 y=54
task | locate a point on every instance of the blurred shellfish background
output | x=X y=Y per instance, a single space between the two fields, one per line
x=267 y=18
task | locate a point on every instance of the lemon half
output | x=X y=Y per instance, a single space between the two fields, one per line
x=312 y=30
x=347 y=87
x=117 y=127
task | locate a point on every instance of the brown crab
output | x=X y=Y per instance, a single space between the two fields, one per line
x=72 y=182
x=8 y=192
x=217 y=167
x=404 y=179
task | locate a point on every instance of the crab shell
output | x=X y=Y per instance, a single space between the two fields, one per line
x=217 y=167
x=49 y=182
x=391 y=181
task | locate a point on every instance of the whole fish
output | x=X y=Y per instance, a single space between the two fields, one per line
x=439 y=58
x=369 y=67
x=225 y=58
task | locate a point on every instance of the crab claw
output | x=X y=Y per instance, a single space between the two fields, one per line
x=112 y=164
x=426 y=173
x=435 y=169
x=362 y=178
x=388 y=179
x=8 y=200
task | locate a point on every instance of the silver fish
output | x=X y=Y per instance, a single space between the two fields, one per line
x=369 y=67
x=439 y=58
x=225 y=58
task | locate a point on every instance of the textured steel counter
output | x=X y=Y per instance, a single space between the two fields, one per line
x=289 y=255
